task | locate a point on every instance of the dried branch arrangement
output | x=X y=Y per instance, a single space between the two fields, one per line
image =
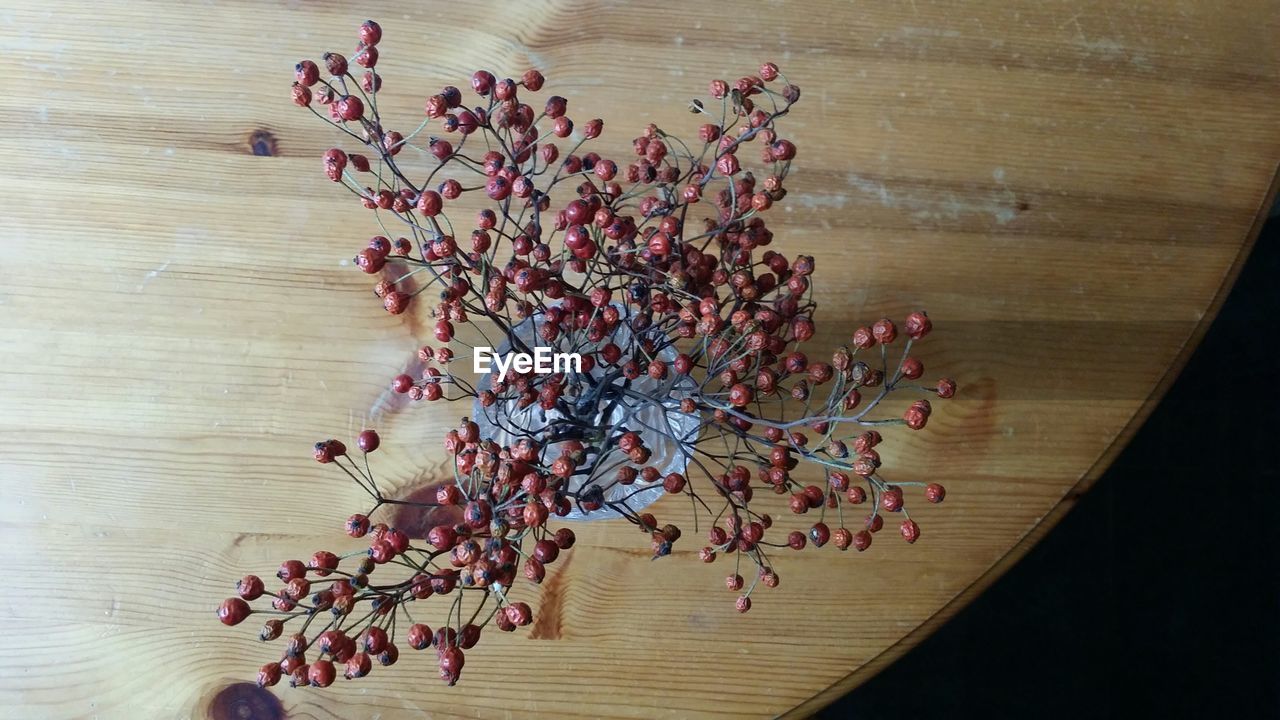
x=652 y=278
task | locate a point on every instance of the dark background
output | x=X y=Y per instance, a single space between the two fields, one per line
x=1156 y=596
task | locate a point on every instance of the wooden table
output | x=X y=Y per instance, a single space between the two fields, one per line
x=1068 y=188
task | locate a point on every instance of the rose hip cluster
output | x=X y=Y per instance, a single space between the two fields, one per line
x=655 y=270
x=347 y=618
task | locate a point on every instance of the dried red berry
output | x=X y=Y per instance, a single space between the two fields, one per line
x=934 y=493
x=819 y=534
x=370 y=32
x=891 y=499
x=269 y=675
x=321 y=673
x=307 y=73
x=250 y=587
x=917 y=325
x=358 y=665
x=912 y=368
x=357 y=525
x=910 y=531
x=233 y=611
x=291 y=569
x=368 y=441
x=564 y=538
x=451 y=662
x=533 y=80
x=884 y=331
x=374 y=640
x=350 y=108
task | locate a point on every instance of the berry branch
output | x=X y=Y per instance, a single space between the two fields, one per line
x=692 y=383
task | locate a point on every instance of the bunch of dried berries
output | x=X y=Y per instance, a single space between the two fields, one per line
x=655 y=271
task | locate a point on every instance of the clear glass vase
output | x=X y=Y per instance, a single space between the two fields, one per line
x=655 y=415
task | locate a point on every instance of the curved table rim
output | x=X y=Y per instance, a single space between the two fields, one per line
x=1015 y=553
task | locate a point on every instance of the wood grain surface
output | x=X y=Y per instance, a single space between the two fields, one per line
x=1067 y=187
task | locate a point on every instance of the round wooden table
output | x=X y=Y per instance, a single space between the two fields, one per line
x=1068 y=188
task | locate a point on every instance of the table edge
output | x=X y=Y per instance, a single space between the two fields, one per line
x=1015 y=553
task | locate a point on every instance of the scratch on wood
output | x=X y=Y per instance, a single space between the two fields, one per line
x=151 y=275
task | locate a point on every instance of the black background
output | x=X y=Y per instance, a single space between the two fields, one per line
x=1156 y=596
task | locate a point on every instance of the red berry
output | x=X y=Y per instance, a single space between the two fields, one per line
x=442 y=537
x=819 y=534
x=533 y=80
x=451 y=662
x=307 y=73
x=469 y=637
x=875 y=523
x=546 y=551
x=233 y=611
x=534 y=571
x=419 y=636
x=917 y=325
x=324 y=562
x=370 y=260
x=381 y=551
x=358 y=666
x=374 y=640
x=864 y=338
x=366 y=55
x=335 y=63
x=884 y=331
x=430 y=203
x=912 y=368
x=271 y=630
x=350 y=108
x=368 y=441
x=321 y=673
x=917 y=415
x=934 y=493
x=402 y=383
x=269 y=675
x=891 y=499
x=357 y=525
x=370 y=32
x=290 y=569
x=250 y=587
x=389 y=656
x=910 y=531
x=519 y=613
x=565 y=538
x=482 y=82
